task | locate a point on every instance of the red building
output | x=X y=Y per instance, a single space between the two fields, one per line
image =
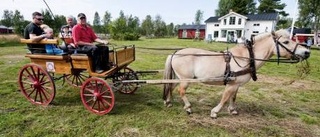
x=192 y=31
x=5 y=30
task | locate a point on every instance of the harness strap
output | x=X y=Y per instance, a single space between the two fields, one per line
x=252 y=68
x=241 y=72
x=227 y=72
x=252 y=62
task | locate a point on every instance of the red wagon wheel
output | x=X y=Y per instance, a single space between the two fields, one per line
x=36 y=84
x=97 y=96
x=125 y=74
x=76 y=78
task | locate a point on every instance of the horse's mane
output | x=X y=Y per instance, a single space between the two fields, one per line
x=281 y=32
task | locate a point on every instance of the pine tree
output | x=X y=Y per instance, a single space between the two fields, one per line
x=243 y=7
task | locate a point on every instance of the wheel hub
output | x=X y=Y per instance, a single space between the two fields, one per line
x=96 y=96
x=36 y=84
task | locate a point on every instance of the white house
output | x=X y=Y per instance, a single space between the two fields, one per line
x=234 y=26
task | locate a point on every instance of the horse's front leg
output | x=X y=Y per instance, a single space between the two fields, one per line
x=232 y=109
x=182 y=90
x=228 y=92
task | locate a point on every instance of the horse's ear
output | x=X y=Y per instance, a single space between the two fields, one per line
x=273 y=33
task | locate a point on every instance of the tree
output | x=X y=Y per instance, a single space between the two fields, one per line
x=53 y=21
x=147 y=26
x=96 y=23
x=170 y=30
x=124 y=28
x=239 y=6
x=106 y=22
x=272 y=6
x=198 y=17
x=48 y=19
x=18 y=22
x=309 y=14
x=160 y=29
x=7 y=18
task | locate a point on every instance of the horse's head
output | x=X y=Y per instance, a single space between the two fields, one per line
x=285 y=47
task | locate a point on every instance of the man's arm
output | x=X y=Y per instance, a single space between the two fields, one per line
x=101 y=41
x=35 y=38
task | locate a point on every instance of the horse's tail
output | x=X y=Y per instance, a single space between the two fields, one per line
x=168 y=74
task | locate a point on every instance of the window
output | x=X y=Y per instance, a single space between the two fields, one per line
x=216 y=25
x=256 y=24
x=223 y=33
x=224 y=21
x=256 y=32
x=239 y=21
x=239 y=33
x=232 y=21
x=216 y=34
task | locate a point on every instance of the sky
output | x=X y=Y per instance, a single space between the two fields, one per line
x=171 y=11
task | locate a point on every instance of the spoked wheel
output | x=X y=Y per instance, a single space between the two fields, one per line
x=125 y=74
x=36 y=84
x=76 y=78
x=97 y=96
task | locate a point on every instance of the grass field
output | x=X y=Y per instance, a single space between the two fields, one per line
x=282 y=102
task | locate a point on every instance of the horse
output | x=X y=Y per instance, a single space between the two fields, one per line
x=240 y=61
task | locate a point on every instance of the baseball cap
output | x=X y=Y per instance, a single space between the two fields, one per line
x=80 y=15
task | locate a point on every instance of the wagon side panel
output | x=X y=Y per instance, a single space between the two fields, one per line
x=52 y=63
x=125 y=56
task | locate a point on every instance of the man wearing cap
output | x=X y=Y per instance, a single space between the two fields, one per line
x=34 y=32
x=83 y=37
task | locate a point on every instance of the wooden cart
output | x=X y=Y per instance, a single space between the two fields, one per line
x=36 y=79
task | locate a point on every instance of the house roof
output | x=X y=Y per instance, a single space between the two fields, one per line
x=4 y=27
x=192 y=27
x=251 y=17
x=263 y=16
x=230 y=13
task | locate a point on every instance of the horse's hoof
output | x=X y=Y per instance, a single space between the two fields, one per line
x=214 y=115
x=167 y=104
x=234 y=112
x=189 y=112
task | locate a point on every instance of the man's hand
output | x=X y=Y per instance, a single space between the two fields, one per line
x=105 y=42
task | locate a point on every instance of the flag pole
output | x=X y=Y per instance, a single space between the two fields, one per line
x=294 y=18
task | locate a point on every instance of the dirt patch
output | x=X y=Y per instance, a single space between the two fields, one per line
x=288 y=82
x=258 y=125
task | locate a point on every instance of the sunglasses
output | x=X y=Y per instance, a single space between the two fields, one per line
x=82 y=18
x=40 y=19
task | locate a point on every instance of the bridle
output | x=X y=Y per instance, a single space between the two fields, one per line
x=279 y=44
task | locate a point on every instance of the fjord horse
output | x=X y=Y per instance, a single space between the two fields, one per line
x=192 y=63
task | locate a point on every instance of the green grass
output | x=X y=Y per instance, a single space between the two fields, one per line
x=280 y=103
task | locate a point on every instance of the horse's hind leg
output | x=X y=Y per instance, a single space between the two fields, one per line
x=232 y=109
x=182 y=90
x=228 y=92
x=168 y=101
